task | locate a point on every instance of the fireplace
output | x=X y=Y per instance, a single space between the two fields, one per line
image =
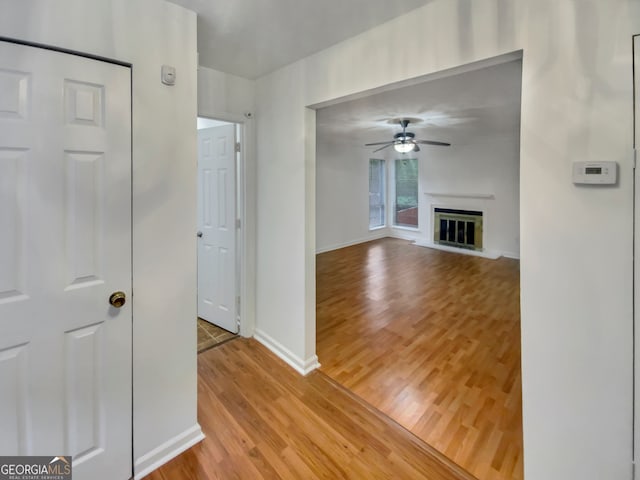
x=458 y=228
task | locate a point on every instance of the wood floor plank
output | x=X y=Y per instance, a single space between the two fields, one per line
x=262 y=420
x=431 y=339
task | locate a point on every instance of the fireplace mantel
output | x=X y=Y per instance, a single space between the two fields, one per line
x=482 y=196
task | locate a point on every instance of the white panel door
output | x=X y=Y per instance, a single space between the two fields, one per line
x=65 y=246
x=217 y=226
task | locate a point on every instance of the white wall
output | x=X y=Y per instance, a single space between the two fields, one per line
x=576 y=105
x=286 y=217
x=220 y=93
x=342 y=195
x=148 y=34
x=484 y=166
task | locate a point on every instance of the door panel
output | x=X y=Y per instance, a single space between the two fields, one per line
x=84 y=205
x=65 y=245
x=13 y=398
x=12 y=207
x=83 y=386
x=216 y=222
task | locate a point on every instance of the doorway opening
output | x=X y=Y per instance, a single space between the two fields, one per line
x=431 y=338
x=219 y=221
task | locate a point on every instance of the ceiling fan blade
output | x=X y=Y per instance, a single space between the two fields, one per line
x=382 y=148
x=378 y=143
x=433 y=142
x=416 y=148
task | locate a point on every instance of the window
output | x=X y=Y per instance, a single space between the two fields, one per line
x=406 y=193
x=376 y=193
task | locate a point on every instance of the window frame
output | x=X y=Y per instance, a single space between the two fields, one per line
x=382 y=165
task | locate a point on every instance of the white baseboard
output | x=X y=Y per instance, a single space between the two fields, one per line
x=401 y=234
x=476 y=253
x=515 y=256
x=303 y=367
x=375 y=235
x=157 y=457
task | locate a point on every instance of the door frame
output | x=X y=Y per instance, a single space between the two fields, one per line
x=245 y=214
x=636 y=260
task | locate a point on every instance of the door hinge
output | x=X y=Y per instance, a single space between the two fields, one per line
x=635 y=158
x=237 y=147
x=238 y=305
x=238 y=223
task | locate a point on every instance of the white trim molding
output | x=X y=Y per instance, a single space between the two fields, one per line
x=376 y=234
x=482 y=196
x=167 y=451
x=476 y=253
x=303 y=367
x=411 y=235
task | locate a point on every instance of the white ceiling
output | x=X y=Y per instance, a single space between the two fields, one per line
x=458 y=109
x=250 y=38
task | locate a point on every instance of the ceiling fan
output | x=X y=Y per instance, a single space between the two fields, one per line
x=404 y=142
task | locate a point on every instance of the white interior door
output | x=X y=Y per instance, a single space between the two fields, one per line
x=217 y=226
x=65 y=246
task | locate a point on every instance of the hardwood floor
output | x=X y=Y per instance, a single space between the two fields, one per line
x=262 y=420
x=431 y=339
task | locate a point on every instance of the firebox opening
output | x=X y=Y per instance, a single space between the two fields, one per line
x=458 y=228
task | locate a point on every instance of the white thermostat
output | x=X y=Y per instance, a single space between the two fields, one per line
x=168 y=75
x=595 y=173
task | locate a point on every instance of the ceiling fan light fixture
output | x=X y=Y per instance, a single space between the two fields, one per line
x=402 y=147
x=405 y=142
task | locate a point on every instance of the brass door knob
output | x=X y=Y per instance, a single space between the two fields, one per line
x=117 y=299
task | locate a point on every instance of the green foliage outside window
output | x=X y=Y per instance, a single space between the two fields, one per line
x=406 y=197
